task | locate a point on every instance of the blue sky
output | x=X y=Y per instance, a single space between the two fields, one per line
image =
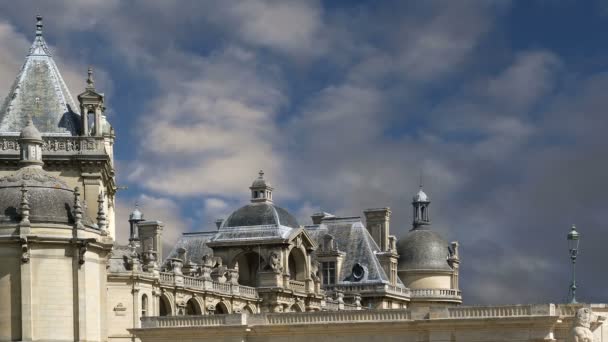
x=499 y=104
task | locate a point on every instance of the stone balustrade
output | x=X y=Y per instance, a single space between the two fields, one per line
x=56 y=145
x=495 y=311
x=297 y=286
x=435 y=294
x=360 y=316
x=167 y=278
x=373 y=288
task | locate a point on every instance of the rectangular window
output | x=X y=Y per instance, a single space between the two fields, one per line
x=329 y=272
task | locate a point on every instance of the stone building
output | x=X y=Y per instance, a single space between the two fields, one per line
x=257 y=275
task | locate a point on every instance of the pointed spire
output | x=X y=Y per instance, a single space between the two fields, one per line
x=24 y=207
x=90 y=81
x=77 y=209
x=101 y=215
x=39 y=47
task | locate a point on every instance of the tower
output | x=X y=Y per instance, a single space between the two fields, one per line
x=74 y=148
x=428 y=265
x=420 y=204
x=54 y=255
x=261 y=190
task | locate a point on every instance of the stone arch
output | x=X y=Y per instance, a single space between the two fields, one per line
x=249 y=264
x=165 y=303
x=145 y=306
x=250 y=309
x=222 y=308
x=297 y=307
x=193 y=307
x=297 y=264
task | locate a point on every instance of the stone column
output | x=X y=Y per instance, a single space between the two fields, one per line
x=27 y=325
x=92 y=185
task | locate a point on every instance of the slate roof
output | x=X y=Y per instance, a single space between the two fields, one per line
x=260 y=214
x=50 y=199
x=118 y=259
x=195 y=245
x=40 y=91
x=352 y=238
x=423 y=249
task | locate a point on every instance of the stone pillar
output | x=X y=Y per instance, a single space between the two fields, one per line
x=136 y=308
x=92 y=185
x=27 y=325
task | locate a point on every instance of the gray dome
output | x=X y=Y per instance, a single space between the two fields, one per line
x=260 y=182
x=258 y=214
x=136 y=215
x=50 y=199
x=423 y=249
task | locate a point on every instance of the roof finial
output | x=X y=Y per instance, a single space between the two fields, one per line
x=90 y=81
x=261 y=173
x=38 y=25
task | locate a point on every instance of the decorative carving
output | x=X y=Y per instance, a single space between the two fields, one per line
x=581 y=328
x=25 y=208
x=77 y=209
x=120 y=310
x=101 y=215
x=25 y=250
x=274 y=262
x=81 y=251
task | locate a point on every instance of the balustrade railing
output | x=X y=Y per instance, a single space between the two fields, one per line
x=371 y=288
x=490 y=311
x=167 y=278
x=9 y=144
x=435 y=293
x=298 y=286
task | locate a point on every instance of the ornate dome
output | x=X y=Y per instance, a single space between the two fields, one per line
x=136 y=215
x=50 y=199
x=260 y=182
x=421 y=196
x=423 y=249
x=260 y=213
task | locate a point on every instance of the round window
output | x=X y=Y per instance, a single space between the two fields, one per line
x=358 y=272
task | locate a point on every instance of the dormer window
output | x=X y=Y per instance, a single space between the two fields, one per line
x=329 y=272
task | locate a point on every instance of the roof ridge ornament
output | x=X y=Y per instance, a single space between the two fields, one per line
x=90 y=80
x=39 y=25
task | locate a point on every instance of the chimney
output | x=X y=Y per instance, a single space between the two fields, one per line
x=377 y=222
x=317 y=218
x=150 y=234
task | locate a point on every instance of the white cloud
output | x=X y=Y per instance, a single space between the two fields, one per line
x=294 y=27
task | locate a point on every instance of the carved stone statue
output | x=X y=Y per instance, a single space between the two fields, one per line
x=274 y=262
x=581 y=328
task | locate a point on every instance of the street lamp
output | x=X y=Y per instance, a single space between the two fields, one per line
x=573 y=240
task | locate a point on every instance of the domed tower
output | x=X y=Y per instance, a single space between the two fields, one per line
x=53 y=255
x=78 y=140
x=428 y=264
x=271 y=251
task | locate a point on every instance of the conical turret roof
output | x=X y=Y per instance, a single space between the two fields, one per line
x=41 y=92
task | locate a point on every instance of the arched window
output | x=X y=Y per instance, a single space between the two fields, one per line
x=221 y=309
x=192 y=308
x=249 y=264
x=164 y=306
x=144 y=305
x=297 y=265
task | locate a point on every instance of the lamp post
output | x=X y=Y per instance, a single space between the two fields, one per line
x=573 y=241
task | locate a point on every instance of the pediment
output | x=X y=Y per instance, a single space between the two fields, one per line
x=300 y=237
